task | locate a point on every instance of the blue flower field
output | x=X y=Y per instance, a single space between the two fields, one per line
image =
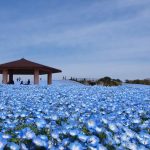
x=69 y=116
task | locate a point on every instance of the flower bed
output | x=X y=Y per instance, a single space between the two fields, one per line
x=74 y=117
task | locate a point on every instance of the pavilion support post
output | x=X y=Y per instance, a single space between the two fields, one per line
x=49 y=78
x=5 y=76
x=10 y=77
x=36 y=76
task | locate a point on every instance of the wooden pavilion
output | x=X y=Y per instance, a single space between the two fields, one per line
x=26 y=67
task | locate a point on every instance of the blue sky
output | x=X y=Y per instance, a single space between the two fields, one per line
x=84 y=38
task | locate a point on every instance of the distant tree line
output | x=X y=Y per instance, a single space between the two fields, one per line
x=137 y=81
x=106 y=81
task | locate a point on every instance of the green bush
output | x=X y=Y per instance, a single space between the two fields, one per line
x=137 y=81
x=106 y=81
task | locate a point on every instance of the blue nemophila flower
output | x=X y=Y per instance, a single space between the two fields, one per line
x=16 y=115
x=64 y=131
x=6 y=136
x=136 y=121
x=101 y=147
x=104 y=120
x=13 y=146
x=11 y=126
x=50 y=144
x=54 y=117
x=55 y=135
x=91 y=124
x=23 y=146
x=41 y=123
x=92 y=148
x=3 y=142
x=61 y=147
x=75 y=146
x=66 y=141
x=73 y=132
x=93 y=140
x=23 y=115
x=82 y=137
x=131 y=146
x=145 y=125
x=130 y=133
x=26 y=133
x=40 y=142
x=116 y=139
x=144 y=138
x=142 y=147
x=30 y=121
x=3 y=116
x=113 y=127
x=29 y=134
x=124 y=137
x=43 y=137
x=99 y=129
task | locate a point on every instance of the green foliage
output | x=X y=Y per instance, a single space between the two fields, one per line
x=110 y=147
x=33 y=127
x=85 y=130
x=137 y=81
x=102 y=136
x=15 y=140
x=60 y=121
x=106 y=81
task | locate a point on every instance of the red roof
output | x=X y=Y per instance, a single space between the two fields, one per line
x=24 y=66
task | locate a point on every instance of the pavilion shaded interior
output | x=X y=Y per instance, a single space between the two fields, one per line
x=26 y=67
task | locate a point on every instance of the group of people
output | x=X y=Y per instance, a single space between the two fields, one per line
x=20 y=81
x=27 y=83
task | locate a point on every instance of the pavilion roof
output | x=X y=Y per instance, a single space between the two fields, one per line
x=25 y=66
